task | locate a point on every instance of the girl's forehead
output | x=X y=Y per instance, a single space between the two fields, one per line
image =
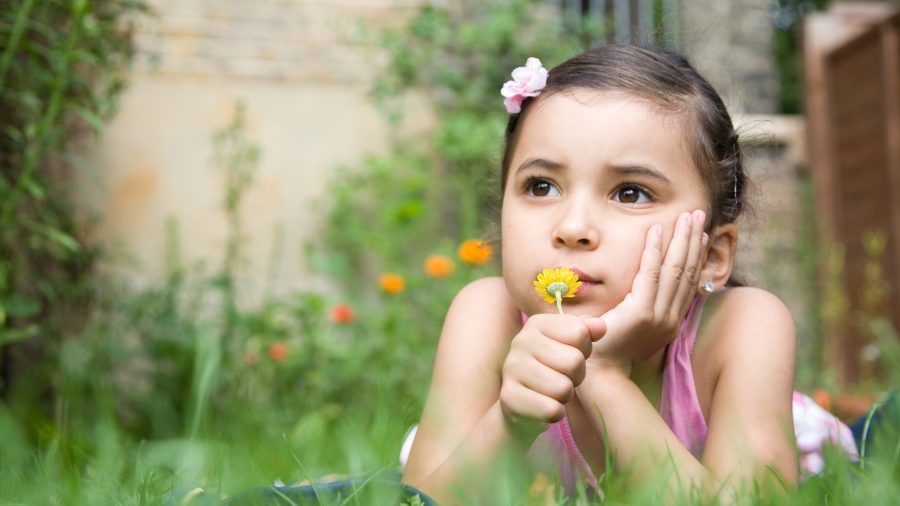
x=588 y=97
x=577 y=125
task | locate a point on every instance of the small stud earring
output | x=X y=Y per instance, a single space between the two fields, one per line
x=708 y=286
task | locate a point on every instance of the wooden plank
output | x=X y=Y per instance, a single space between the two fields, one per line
x=848 y=139
x=818 y=38
x=890 y=35
x=859 y=135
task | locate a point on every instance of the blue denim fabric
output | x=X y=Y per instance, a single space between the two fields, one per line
x=382 y=489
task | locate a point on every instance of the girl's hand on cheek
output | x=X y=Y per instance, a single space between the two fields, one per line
x=651 y=315
x=545 y=362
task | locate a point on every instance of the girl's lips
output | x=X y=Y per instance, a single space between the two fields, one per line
x=585 y=287
x=587 y=283
x=584 y=277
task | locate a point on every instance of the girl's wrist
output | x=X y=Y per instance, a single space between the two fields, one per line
x=599 y=366
x=603 y=371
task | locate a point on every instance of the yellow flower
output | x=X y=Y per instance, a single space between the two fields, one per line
x=392 y=283
x=554 y=284
x=475 y=252
x=438 y=266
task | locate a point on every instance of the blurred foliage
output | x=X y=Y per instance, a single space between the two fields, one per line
x=787 y=17
x=861 y=319
x=443 y=186
x=62 y=65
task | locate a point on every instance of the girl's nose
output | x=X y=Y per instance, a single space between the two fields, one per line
x=576 y=229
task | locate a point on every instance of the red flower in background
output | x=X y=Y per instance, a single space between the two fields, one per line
x=278 y=351
x=343 y=314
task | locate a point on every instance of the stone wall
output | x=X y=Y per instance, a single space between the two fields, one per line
x=730 y=43
x=304 y=41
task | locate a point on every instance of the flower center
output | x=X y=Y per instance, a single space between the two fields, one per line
x=558 y=288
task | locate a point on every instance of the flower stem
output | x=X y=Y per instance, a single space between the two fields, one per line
x=559 y=302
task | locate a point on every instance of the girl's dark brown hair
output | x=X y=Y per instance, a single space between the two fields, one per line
x=668 y=81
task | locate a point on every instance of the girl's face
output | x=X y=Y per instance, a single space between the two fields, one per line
x=591 y=172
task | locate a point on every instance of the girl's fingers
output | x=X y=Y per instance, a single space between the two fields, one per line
x=568 y=330
x=550 y=383
x=673 y=266
x=524 y=405
x=646 y=284
x=692 y=265
x=596 y=326
x=563 y=358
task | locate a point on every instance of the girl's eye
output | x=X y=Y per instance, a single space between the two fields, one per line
x=541 y=188
x=632 y=195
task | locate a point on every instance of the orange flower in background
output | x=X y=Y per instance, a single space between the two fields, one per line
x=438 y=266
x=822 y=398
x=342 y=313
x=278 y=352
x=475 y=252
x=392 y=283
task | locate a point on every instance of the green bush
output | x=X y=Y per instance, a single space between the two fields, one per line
x=61 y=67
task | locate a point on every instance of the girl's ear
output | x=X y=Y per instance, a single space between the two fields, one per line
x=719 y=256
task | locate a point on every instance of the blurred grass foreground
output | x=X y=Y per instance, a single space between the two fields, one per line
x=119 y=393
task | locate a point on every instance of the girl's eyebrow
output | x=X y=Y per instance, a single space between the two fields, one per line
x=620 y=170
x=638 y=170
x=539 y=163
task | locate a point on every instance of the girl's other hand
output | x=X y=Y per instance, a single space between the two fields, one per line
x=545 y=362
x=651 y=315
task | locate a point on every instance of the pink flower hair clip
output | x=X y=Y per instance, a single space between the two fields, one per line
x=527 y=81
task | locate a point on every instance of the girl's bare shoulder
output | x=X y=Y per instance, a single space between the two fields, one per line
x=482 y=316
x=746 y=321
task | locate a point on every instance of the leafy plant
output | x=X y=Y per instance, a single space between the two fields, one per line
x=443 y=186
x=61 y=67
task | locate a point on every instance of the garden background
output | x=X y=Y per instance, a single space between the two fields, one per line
x=229 y=230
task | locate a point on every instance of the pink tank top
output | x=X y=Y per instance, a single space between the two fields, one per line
x=679 y=408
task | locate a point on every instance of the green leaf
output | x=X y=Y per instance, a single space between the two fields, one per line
x=58 y=236
x=90 y=118
x=20 y=306
x=15 y=335
x=34 y=188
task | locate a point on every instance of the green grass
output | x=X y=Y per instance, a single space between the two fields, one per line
x=104 y=465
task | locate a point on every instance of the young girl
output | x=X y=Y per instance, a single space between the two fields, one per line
x=623 y=166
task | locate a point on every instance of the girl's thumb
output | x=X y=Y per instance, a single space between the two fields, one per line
x=596 y=326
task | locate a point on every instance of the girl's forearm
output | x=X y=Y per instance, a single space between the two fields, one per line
x=637 y=437
x=466 y=473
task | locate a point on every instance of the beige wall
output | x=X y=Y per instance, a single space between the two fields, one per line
x=303 y=73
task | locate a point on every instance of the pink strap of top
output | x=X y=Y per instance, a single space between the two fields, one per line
x=679 y=407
